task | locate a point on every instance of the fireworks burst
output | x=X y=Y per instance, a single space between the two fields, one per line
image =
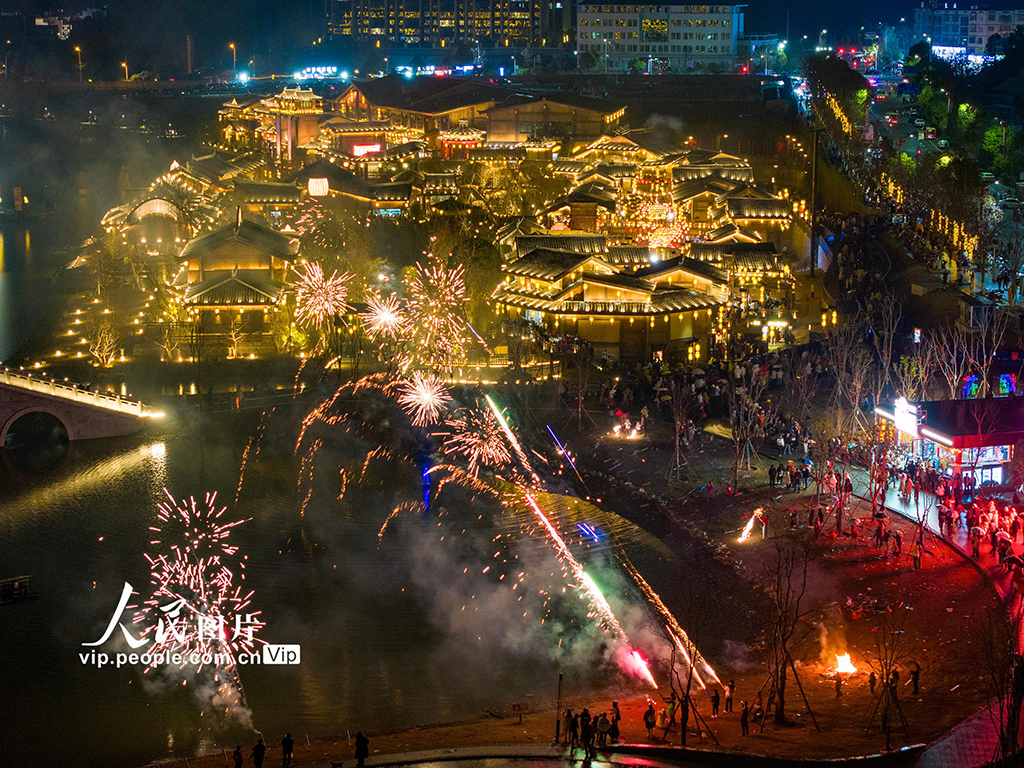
x=195 y=606
x=437 y=328
x=478 y=437
x=383 y=319
x=423 y=395
x=319 y=298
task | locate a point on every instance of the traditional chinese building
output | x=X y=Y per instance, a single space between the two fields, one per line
x=624 y=315
x=237 y=270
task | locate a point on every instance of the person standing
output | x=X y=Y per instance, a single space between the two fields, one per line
x=839 y=686
x=566 y=722
x=362 y=749
x=587 y=737
x=871 y=682
x=238 y=757
x=771 y=476
x=714 y=702
x=650 y=718
x=915 y=679
x=604 y=725
x=287 y=747
x=259 y=751
x=730 y=689
x=574 y=731
x=744 y=719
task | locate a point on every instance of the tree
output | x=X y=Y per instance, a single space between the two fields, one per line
x=996 y=641
x=591 y=60
x=235 y=334
x=787 y=586
x=103 y=340
x=890 y=653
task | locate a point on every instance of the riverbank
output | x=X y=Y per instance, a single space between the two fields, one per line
x=852 y=590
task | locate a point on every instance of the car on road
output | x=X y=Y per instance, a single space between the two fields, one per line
x=1011 y=204
x=919 y=122
x=943 y=144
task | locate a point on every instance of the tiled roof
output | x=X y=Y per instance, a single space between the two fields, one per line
x=626 y=282
x=239 y=289
x=698 y=268
x=546 y=264
x=569 y=167
x=250 y=233
x=700 y=171
x=661 y=302
x=629 y=255
x=685 y=191
x=719 y=252
x=733 y=232
x=587 y=193
x=590 y=245
x=266 y=192
x=749 y=208
x=681 y=301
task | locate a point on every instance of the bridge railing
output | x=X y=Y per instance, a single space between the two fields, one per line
x=73 y=392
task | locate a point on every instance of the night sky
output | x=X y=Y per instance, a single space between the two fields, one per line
x=291 y=23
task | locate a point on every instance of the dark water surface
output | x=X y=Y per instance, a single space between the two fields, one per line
x=451 y=613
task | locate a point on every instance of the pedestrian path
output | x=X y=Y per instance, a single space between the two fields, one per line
x=975 y=742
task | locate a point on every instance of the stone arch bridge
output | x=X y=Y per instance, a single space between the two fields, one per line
x=85 y=414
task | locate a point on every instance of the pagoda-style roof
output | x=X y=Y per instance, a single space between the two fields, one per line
x=463 y=133
x=238 y=289
x=246 y=232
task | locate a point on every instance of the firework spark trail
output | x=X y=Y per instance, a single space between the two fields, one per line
x=380 y=452
x=679 y=637
x=477 y=436
x=188 y=571
x=319 y=298
x=600 y=607
x=306 y=474
x=423 y=395
x=405 y=506
x=462 y=477
x=254 y=440
x=512 y=439
x=562 y=450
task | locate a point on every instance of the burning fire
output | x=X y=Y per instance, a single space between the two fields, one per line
x=844 y=666
x=630 y=433
x=754 y=517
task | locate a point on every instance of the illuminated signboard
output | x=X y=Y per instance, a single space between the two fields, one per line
x=906 y=417
x=318 y=187
x=364 y=149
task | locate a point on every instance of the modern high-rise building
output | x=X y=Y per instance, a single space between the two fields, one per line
x=443 y=23
x=667 y=36
x=968 y=27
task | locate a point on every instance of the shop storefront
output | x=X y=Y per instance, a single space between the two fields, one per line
x=973 y=436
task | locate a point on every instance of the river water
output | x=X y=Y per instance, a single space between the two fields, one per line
x=454 y=611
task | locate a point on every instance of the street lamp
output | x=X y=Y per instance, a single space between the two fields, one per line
x=78 y=50
x=125 y=65
x=947 y=101
x=234 y=57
